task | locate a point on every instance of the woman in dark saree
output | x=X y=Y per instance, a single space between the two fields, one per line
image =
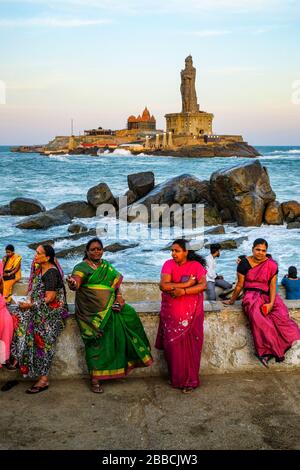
x=274 y=332
x=112 y=332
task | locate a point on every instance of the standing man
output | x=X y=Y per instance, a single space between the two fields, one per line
x=213 y=279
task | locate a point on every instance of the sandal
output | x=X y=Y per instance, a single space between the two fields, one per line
x=37 y=389
x=187 y=390
x=96 y=387
x=8 y=385
x=264 y=361
x=11 y=367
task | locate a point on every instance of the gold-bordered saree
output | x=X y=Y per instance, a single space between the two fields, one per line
x=115 y=342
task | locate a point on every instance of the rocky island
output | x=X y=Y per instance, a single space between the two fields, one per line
x=188 y=133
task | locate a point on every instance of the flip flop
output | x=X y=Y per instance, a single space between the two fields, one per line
x=8 y=385
x=35 y=389
x=96 y=387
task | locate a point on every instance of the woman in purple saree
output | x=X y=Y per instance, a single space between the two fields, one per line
x=274 y=332
x=180 y=332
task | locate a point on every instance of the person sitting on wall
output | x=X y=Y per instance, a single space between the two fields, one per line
x=291 y=282
x=11 y=271
x=213 y=279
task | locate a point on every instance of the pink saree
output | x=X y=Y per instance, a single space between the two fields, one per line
x=275 y=333
x=180 y=331
x=6 y=327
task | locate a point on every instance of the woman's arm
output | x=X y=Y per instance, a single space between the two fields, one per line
x=16 y=269
x=119 y=297
x=196 y=289
x=167 y=286
x=74 y=282
x=270 y=305
x=237 y=290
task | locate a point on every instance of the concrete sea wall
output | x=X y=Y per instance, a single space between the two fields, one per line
x=228 y=344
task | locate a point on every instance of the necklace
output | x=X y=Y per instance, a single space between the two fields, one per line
x=95 y=266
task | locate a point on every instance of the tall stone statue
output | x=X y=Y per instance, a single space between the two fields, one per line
x=187 y=87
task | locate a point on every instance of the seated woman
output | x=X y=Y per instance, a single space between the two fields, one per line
x=291 y=282
x=6 y=325
x=112 y=332
x=11 y=271
x=274 y=332
x=39 y=321
x=180 y=331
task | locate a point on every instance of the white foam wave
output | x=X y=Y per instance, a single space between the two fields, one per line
x=284 y=152
x=124 y=152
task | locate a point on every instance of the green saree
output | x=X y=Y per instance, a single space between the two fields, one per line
x=115 y=342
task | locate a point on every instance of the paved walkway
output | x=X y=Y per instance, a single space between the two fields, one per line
x=236 y=411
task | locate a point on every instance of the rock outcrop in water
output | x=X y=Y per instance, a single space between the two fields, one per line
x=244 y=192
x=45 y=220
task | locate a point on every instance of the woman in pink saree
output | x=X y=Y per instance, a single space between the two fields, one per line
x=180 y=332
x=6 y=325
x=274 y=332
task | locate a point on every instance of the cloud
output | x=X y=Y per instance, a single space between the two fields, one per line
x=51 y=22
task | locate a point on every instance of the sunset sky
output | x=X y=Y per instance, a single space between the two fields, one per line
x=98 y=61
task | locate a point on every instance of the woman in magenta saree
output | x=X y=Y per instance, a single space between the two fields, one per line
x=6 y=325
x=180 y=332
x=274 y=332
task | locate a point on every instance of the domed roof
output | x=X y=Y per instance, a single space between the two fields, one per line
x=131 y=119
x=146 y=115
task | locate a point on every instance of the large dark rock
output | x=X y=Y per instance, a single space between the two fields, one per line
x=293 y=225
x=131 y=197
x=230 y=244
x=45 y=220
x=25 y=206
x=291 y=210
x=141 y=183
x=90 y=233
x=183 y=189
x=100 y=194
x=244 y=190
x=5 y=210
x=219 y=230
x=274 y=214
x=79 y=209
x=77 y=227
x=80 y=250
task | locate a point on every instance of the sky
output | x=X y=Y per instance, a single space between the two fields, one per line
x=99 y=61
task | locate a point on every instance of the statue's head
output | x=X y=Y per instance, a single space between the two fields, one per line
x=189 y=60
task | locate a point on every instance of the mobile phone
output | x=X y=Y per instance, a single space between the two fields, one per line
x=264 y=310
x=185 y=278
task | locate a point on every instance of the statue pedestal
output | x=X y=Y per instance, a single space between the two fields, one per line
x=189 y=123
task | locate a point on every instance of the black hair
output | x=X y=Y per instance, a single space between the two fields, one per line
x=10 y=248
x=192 y=256
x=260 y=241
x=292 y=272
x=93 y=240
x=214 y=247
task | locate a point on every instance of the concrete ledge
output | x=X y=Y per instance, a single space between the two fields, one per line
x=228 y=345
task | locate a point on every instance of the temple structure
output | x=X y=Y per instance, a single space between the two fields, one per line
x=143 y=123
x=191 y=121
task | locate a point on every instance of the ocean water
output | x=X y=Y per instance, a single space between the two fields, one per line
x=56 y=179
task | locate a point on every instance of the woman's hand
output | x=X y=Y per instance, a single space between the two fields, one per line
x=177 y=292
x=191 y=282
x=72 y=283
x=267 y=308
x=25 y=305
x=120 y=300
x=228 y=302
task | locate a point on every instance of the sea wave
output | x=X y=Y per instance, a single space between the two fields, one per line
x=284 y=152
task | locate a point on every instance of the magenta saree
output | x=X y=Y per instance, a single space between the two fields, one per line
x=275 y=333
x=6 y=327
x=180 y=332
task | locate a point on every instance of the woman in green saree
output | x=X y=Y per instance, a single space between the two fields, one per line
x=112 y=332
